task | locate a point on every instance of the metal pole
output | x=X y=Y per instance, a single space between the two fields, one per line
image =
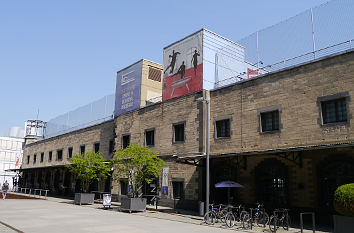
x=313 y=36
x=207 y=154
x=257 y=52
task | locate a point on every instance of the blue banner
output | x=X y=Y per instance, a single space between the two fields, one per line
x=128 y=89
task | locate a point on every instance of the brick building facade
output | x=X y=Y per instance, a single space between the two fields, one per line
x=286 y=136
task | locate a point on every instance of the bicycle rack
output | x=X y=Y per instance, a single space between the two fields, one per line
x=313 y=221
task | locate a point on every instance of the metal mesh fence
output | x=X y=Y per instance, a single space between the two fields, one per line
x=91 y=114
x=315 y=33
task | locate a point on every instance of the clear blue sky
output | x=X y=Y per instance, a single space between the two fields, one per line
x=61 y=54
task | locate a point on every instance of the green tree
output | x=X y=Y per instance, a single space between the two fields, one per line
x=137 y=163
x=88 y=167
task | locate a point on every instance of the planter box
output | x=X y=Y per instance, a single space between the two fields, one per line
x=133 y=204
x=343 y=224
x=84 y=198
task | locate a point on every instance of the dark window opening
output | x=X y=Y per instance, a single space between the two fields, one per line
x=223 y=128
x=50 y=156
x=126 y=141
x=111 y=146
x=42 y=157
x=59 y=155
x=270 y=121
x=177 y=189
x=150 y=137
x=179 y=132
x=97 y=147
x=28 y=159
x=334 y=111
x=70 y=152
x=34 y=158
x=123 y=187
x=82 y=149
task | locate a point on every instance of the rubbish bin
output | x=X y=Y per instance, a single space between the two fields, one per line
x=201 y=208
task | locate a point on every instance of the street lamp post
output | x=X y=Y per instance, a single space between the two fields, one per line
x=207 y=150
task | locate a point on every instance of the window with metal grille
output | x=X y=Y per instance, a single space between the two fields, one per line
x=150 y=137
x=111 y=146
x=97 y=147
x=223 y=128
x=334 y=111
x=126 y=141
x=82 y=149
x=154 y=74
x=179 y=132
x=177 y=189
x=50 y=155
x=59 y=155
x=70 y=152
x=270 y=121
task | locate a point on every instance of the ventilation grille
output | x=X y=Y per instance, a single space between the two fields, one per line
x=154 y=74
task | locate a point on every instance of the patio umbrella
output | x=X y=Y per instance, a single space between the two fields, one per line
x=228 y=184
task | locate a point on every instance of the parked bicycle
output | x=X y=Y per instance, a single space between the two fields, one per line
x=234 y=215
x=215 y=214
x=280 y=218
x=256 y=215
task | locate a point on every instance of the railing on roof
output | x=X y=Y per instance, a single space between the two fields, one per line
x=304 y=58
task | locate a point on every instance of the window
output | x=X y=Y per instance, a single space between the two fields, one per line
x=111 y=146
x=334 y=111
x=126 y=141
x=96 y=147
x=123 y=187
x=59 y=155
x=70 y=152
x=28 y=159
x=42 y=157
x=177 y=187
x=222 y=128
x=270 y=121
x=50 y=156
x=82 y=149
x=34 y=158
x=178 y=132
x=150 y=137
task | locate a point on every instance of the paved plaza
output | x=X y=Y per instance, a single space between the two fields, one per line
x=48 y=216
x=61 y=215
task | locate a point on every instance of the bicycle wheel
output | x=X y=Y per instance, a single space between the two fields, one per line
x=273 y=221
x=209 y=218
x=242 y=214
x=246 y=221
x=223 y=215
x=263 y=219
x=286 y=223
x=230 y=219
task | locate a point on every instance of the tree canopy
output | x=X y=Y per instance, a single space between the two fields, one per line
x=137 y=163
x=88 y=167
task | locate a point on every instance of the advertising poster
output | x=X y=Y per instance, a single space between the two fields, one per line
x=183 y=67
x=165 y=181
x=107 y=198
x=128 y=89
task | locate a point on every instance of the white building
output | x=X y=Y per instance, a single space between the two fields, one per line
x=11 y=150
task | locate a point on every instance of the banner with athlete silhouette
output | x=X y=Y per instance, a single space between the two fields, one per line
x=183 y=67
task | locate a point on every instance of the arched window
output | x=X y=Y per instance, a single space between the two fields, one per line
x=271 y=183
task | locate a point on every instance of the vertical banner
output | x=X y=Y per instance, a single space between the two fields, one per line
x=165 y=181
x=130 y=190
x=128 y=89
x=183 y=67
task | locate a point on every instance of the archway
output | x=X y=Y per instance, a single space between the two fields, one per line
x=332 y=173
x=272 y=183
